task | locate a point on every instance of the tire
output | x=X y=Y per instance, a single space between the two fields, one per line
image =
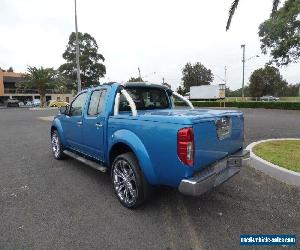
x=57 y=147
x=129 y=182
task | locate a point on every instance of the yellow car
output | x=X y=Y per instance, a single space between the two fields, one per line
x=58 y=104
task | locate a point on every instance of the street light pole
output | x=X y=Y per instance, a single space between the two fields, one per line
x=77 y=51
x=140 y=73
x=243 y=82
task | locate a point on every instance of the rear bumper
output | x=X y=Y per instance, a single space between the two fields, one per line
x=215 y=174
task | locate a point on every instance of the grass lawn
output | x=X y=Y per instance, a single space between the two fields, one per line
x=285 y=154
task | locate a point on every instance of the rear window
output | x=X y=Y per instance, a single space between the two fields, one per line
x=145 y=98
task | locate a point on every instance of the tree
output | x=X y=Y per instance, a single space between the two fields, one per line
x=196 y=75
x=91 y=68
x=135 y=79
x=180 y=90
x=292 y=90
x=41 y=79
x=267 y=81
x=237 y=92
x=235 y=4
x=280 y=34
x=10 y=69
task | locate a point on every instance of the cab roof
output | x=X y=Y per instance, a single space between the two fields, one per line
x=134 y=84
x=144 y=84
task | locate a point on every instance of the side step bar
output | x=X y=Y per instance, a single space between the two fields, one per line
x=85 y=161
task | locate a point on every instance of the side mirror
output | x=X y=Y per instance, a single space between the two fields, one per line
x=64 y=109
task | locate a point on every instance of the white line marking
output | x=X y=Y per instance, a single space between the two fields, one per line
x=46 y=118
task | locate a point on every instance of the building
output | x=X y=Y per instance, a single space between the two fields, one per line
x=8 y=89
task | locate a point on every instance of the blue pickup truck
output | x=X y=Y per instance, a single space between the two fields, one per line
x=134 y=131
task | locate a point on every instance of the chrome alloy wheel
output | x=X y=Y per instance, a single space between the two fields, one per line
x=55 y=144
x=125 y=182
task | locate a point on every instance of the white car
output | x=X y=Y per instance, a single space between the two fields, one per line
x=269 y=98
x=36 y=103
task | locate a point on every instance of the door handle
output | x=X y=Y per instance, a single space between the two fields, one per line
x=79 y=123
x=98 y=125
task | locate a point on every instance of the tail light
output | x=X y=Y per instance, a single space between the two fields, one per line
x=185 y=146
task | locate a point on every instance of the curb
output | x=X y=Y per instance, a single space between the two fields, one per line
x=277 y=172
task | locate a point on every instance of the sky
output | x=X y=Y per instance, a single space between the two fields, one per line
x=157 y=36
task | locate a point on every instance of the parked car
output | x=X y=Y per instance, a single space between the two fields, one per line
x=28 y=103
x=269 y=98
x=12 y=102
x=36 y=103
x=133 y=131
x=58 y=104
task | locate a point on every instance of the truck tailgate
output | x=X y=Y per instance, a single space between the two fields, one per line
x=217 y=138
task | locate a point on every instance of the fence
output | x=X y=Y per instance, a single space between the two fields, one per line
x=34 y=91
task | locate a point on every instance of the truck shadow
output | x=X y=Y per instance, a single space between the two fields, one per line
x=248 y=203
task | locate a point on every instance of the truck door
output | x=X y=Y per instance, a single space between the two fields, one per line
x=73 y=122
x=94 y=125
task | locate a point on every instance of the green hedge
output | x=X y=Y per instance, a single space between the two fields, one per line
x=265 y=105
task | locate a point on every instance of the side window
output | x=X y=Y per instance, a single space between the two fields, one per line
x=77 y=105
x=96 y=104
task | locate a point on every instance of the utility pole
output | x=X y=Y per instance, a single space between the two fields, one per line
x=139 y=73
x=225 y=79
x=243 y=82
x=163 y=80
x=77 y=51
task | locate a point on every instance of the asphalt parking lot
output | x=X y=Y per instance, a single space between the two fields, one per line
x=49 y=204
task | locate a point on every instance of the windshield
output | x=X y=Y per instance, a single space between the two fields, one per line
x=145 y=98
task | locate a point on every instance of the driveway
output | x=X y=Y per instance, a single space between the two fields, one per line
x=52 y=204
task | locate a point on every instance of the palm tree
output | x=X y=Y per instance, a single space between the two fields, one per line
x=234 y=5
x=41 y=79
